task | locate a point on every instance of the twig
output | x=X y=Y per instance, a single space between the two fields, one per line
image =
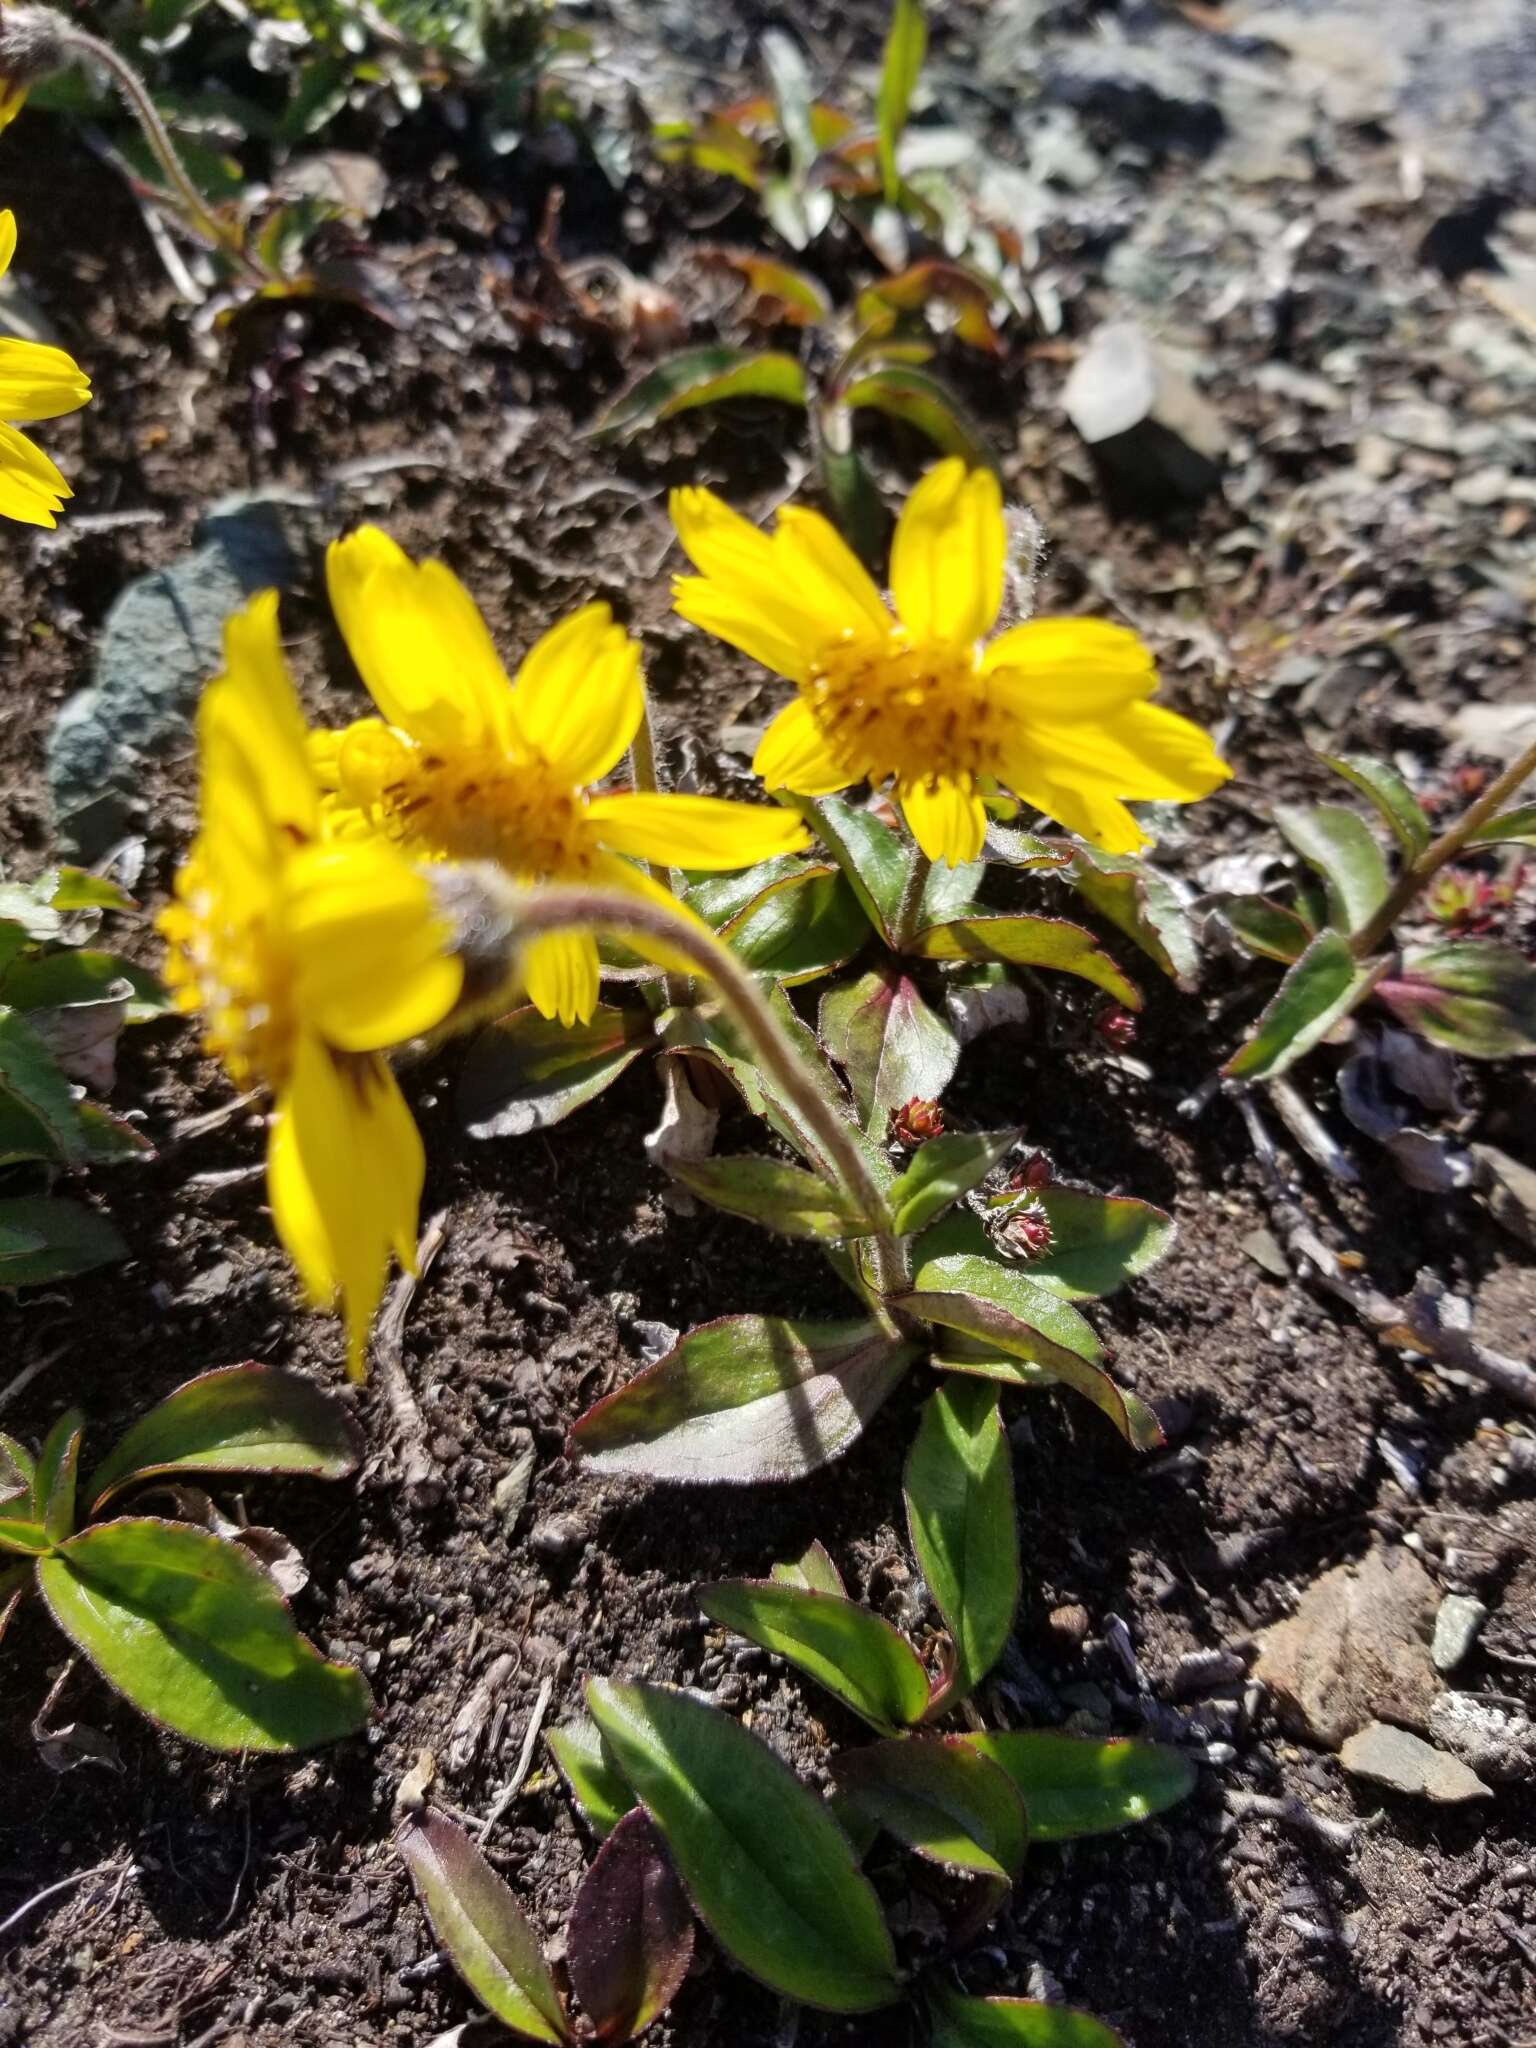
x=28 y=1374
x=1292 y=1813
x=514 y=1784
x=64 y=1884
x=423 y=1481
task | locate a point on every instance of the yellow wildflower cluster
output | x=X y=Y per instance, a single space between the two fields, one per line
x=306 y=927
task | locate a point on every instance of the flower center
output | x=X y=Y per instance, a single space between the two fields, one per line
x=235 y=970
x=915 y=711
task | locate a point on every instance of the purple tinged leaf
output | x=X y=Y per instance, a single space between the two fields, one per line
x=887 y=1040
x=239 y=1418
x=1050 y=942
x=1076 y=1785
x=526 y=1073
x=928 y=1792
x=1130 y=893
x=870 y=854
x=1473 y=996
x=630 y=1937
x=856 y=1655
x=959 y=1494
x=1268 y=930
x=1325 y=984
x=743 y=1401
x=941 y=1172
x=14 y=1581
x=919 y=399
x=779 y=1196
x=1510 y=828
x=1098 y=1242
x=481 y=1925
x=1015 y=1289
x=801 y=920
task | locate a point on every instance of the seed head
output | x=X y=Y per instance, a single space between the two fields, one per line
x=1023 y=1228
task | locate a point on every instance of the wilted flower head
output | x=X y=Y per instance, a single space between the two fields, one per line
x=1022 y=1228
x=1053 y=710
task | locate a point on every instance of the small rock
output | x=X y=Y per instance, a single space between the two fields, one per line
x=1390 y=1756
x=1069 y=1625
x=1508 y=1186
x=1496 y=1742
x=1264 y=1248
x=1152 y=436
x=1198 y=1670
x=1356 y=1648
x=557 y=1537
x=1456 y=1629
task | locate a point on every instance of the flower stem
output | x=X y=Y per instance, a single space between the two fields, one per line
x=910 y=908
x=642 y=765
x=1440 y=852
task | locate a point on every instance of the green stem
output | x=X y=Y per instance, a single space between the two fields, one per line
x=1441 y=852
x=909 y=909
x=647 y=777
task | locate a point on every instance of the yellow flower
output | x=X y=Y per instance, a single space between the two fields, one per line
x=1054 y=710
x=467 y=765
x=306 y=958
x=36 y=383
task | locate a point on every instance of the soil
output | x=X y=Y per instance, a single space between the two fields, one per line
x=206 y=1901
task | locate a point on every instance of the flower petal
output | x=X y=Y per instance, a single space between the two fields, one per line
x=779 y=587
x=32 y=489
x=560 y=971
x=251 y=711
x=706 y=832
x=947 y=557
x=7 y=217
x=419 y=643
x=1083 y=808
x=948 y=822
x=578 y=698
x=1142 y=753
x=1069 y=668
x=794 y=754
x=38 y=382
x=369 y=946
x=742 y=622
x=613 y=873
x=820 y=558
x=344 y=1172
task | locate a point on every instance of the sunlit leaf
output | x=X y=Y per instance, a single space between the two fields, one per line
x=856 y=1655
x=486 y=1933
x=1077 y=1785
x=813 y=1570
x=30 y=1076
x=597 y=1785
x=901 y=66
x=745 y=1400
x=1395 y=803
x=793 y=97
x=527 y=1072
x=1098 y=1243
x=1338 y=844
x=195 y=1634
x=941 y=1172
x=1268 y=930
x=922 y=401
x=1013 y=2023
x=803 y=921
x=793 y=296
x=936 y=281
x=870 y=854
x=701 y=376
x=1130 y=893
x=1510 y=828
x=1050 y=942
x=55 y=1481
x=769 y=1871
x=888 y=1041
x=959 y=1495
x=79 y=889
x=629 y=1940
x=1318 y=992
x=1474 y=996
x=779 y=1196
x=929 y=1793
x=238 y=1418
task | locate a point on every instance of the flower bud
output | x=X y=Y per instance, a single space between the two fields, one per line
x=1116 y=1027
x=1022 y=1228
x=915 y=1123
x=34 y=43
x=1035 y=1173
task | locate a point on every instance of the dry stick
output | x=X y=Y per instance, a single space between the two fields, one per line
x=28 y=1374
x=63 y=1885
x=1419 y=1324
x=1292 y=1813
x=514 y=1784
x=422 y=1479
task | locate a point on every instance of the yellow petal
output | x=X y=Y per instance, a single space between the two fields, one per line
x=947 y=557
x=368 y=944
x=1069 y=668
x=949 y=823
x=38 y=382
x=419 y=643
x=740 y=622
x=820 y=560
x=794 y=754
x=612 y=873
x=13 y=98
x=32 y=488
x=345 y=1172
x=706 y=832
x=253 y=711
x=7 y=218
x=1085 y=809
x=773 y=584
x=371 y=759
x=560 y=971
x=1142 y=753
x=578 y=697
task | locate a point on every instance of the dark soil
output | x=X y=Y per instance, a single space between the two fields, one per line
x=201 y=1900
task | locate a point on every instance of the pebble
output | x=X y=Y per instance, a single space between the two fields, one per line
x=1496 y=1742
x=1384 y=1755
x=1456 y=1629
x=557 y=1537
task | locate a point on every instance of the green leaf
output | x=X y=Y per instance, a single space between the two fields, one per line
x=813 y=1570
x=781 y=1197
x=801 y=927
x=629 y=1939
x=941 y=1172
x=1474 y=996
x=1100 y=1242
x=997 y=1327
x=957 y=1257
x=46 y=1237
x=1394 y=802
x=1338 y=844
x=1131 y=895
x=793 y=97
x=56 y=1478
x=769 y=1871
x=238 y=1418
x=18 y=1469
x=930 y=1794
x=1325 y=984
x=51 y=981
x=855 y=1654
x=481 y=1925
x=959 y=1494
x=701 y=376
x=901 y=66
x=79 y=889
x=1268 y=930
x=1014 y=2023
x=888 y=1041
x=24 y=1537
x=527 y=1073
x=743 y=1401
x=851 y=492
x=29 y=1075
x=195 y=1634
x=924 y=402
x=597 y=1784
x=1029 y=942
x=870 y=854
x=1510 y=828
x=1075 y=1785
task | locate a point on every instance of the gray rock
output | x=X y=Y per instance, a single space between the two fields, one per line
x=1390 y=1756
x=1496 y=1742
x=160 y=644
x=1356 y=1648
x=1456 y=1629
x=1152 y=436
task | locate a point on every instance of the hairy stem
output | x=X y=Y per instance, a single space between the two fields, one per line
x=909 y=909
x=1440 y=852
x=642 y=764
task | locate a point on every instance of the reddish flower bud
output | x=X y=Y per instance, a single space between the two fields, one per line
x=1022 y=1229
x=1034 y=1173
x=1116 y=1027
x=915 y=1123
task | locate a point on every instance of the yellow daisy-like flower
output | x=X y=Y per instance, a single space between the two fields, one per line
x=36 y=383
x=1054 y=710
x=466 y=764
x=306 y=957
